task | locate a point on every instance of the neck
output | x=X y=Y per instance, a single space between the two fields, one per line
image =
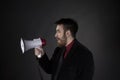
x=69 y=40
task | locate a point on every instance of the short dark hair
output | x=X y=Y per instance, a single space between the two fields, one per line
x=69 y=24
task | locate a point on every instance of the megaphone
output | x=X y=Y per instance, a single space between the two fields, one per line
x=29 y=44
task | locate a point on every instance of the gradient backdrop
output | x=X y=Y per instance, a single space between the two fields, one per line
x=98 y=30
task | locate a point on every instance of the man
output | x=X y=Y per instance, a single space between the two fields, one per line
x=71 y=60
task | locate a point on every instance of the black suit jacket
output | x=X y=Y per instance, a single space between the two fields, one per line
x=78 y=64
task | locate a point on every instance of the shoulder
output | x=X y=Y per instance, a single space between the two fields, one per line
x=82 y=49
x=80 y=46
x=83 y=54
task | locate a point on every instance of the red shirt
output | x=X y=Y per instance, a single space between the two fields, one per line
x=68 y=47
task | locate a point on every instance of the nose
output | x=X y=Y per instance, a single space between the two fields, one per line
x=55 y=35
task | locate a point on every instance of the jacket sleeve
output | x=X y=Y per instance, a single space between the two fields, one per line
x=47 y=64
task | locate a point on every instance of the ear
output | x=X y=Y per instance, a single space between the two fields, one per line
x=68 y=33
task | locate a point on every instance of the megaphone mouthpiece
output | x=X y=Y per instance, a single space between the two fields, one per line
x=43 y=42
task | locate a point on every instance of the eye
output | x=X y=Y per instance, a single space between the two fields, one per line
x=58 y=31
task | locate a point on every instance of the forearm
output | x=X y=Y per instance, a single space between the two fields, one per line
x=45 y=63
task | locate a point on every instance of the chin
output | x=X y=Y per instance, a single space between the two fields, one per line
x=60 y=45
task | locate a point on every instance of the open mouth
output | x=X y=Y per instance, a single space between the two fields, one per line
x=57 y=39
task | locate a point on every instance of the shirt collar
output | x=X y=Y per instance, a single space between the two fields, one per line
x=68 y=47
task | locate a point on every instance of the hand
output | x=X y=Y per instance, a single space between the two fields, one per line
x=39 y=52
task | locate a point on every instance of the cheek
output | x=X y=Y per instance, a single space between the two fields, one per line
x=59 y=35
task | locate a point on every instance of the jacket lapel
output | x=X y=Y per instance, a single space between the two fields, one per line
x=71 y=52
x=59 y=62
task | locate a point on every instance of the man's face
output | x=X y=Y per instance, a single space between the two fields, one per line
x=60 y=35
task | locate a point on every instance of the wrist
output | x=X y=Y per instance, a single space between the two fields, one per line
x=39 y=56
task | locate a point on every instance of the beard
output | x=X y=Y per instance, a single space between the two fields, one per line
x=61 y=41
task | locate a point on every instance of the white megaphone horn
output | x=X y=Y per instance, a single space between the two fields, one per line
x=29 y=44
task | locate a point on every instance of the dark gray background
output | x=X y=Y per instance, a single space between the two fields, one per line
x=98 y=30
